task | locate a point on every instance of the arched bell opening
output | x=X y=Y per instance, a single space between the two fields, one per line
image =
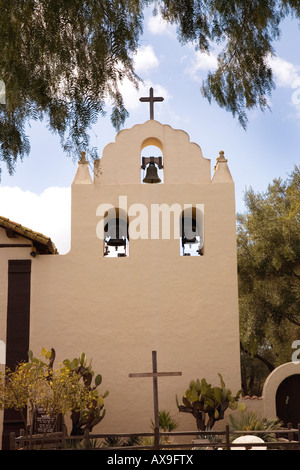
x=191 y=233
x=116 y=233
x=151 y=162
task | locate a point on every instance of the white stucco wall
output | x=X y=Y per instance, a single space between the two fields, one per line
x=118 y=310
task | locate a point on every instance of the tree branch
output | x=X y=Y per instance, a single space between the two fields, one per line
x=269 y=365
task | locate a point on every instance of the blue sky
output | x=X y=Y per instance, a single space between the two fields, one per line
x=38 y=194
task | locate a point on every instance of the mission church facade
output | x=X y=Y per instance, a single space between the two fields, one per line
x=152 y=267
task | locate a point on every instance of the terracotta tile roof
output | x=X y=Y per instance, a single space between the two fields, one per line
x=43 y=244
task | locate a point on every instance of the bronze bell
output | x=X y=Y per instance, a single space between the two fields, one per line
x=190 y=231
x=116 y=242
x=151 y=175
x=116 y=232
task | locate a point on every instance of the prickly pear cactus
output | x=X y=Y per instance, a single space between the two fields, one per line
x=79 y=367
x=96 y=412
x=208 y=404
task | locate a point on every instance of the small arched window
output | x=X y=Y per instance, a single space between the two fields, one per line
x=116 y=237
x=191 y=232
x=152 y=162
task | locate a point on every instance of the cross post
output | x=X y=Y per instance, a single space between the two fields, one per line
x=151 y=99
x=154 y=374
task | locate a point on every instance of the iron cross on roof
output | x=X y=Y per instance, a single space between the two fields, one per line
x=151 y=99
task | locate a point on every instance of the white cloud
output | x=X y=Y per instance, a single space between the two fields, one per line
x=158 y=26
x=48 y=213
x=132 y=96
x=199 y=62
x=286 y=74
x=145 y=60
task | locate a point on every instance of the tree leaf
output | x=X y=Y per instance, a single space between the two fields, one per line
x=233 y=405
x=221 y=381
x=218 y=394
x=98 y=380
x=242 y=407
x=44 y=352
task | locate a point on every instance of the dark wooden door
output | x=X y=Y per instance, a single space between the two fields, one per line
x=288 y=400
x=17 y=333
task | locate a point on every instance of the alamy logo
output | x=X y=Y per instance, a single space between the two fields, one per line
x=296 y=354
x=160 y=221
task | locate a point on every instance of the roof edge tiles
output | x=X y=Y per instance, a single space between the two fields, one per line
x=43 y=244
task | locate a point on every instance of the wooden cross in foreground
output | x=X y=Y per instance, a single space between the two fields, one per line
x=154 y=374
x=151 y=99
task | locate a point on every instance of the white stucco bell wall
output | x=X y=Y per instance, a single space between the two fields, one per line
x=118 y=310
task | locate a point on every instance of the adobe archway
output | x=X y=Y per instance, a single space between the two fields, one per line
x=273 y=385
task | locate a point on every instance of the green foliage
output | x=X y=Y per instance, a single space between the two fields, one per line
x=268 y=240
x=251 y=422
x=59 y=392
x=208 y=404
x=62 y=61
x=122 y=442
x=166 y=422
x=243 y=32
x=94 y=415
x=254 y=371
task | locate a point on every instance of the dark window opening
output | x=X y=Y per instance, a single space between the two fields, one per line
x=116 y=237
x=191 y=231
